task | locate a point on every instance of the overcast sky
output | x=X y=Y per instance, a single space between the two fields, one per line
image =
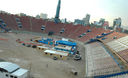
x=71 y=9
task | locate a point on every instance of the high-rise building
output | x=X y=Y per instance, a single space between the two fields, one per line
x=37 y=16
x=117 y=23
x=86 y=19
x=101 y=21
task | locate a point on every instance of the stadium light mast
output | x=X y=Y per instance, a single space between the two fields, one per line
x=56 y=19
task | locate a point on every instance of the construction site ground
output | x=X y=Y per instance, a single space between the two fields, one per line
x=39 y=65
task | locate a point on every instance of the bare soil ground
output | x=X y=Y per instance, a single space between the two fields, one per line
x=40 y=66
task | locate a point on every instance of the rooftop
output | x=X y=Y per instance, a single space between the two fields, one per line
x=20 y=72
x=56 y=52
x=9 y=67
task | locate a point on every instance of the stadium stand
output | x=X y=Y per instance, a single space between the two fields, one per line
x=73 y=30
x=80 y=30
x=32 y=24
x=114 y=35
x=51 y=26
x=9 y=20
x=26 y=25
x=120 y=46
x=93 y=33
x=100 y=63
x=68 y=28
x=36 y=24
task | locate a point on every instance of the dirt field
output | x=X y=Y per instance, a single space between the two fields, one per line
x=40 y=66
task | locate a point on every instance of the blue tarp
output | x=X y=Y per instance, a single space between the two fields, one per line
x=66 y=43
x=89 y=30
x=70 y=52
x=49 y=39
x=104 y=34
x=92 y=40
x=45 y=42
x=98 y=36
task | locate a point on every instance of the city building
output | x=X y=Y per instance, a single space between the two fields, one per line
x=21 y=14
x=63 y=20
x=86 y=20
x=117 y=23
x=96 y=23
x=43 y=16
x=101 y=21
x=78 y=21
x=37 y=16
x=105 y=25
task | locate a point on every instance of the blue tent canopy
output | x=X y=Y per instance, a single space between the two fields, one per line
x=66 y=43
x=45 y=42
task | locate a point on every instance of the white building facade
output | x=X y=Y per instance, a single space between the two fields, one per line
x=86 y=19
x=43 y=16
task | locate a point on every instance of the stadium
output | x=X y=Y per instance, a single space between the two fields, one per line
x=61 y=50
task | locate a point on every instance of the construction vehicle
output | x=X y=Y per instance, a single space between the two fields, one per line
x=77 y=57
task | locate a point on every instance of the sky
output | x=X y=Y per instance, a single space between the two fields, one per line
x=71 y=9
